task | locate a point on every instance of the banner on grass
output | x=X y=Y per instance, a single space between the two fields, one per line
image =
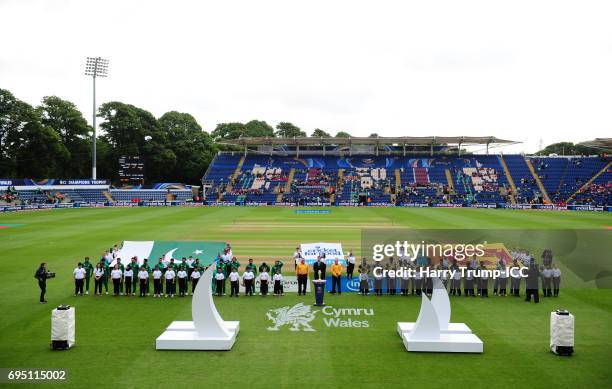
x=332 y=251
x=290 y=285
x=153 y=250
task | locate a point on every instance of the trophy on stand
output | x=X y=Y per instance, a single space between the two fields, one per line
x=319 y=281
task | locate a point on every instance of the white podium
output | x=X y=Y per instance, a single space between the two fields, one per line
x=433 y=331
x=207 y=331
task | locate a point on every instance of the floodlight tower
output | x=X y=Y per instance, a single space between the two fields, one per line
x=95 y=67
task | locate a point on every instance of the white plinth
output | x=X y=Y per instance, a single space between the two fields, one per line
x=190 y=340
x=447 y=343
x=207 y=331
x=231 y=326
x=453 y=328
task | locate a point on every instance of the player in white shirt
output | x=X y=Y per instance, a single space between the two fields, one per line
x=98 y=274
x=248 y=277
x=264 y=278
x=143 y=278
x=547 y=281
x=182 y=279
x=170 y=277
x=350 y=265
x=278 y=284
x=79 y=278
x=128 y=275
x=503 y=281
x=418 y=281
x=234 y=278
x=378 y=283
x=297 y=256
x=484 y=280
x=157 y=282
x=456 y=280
x=116 y=276
x=195 y=277
x=556 y=278
x=220 y=278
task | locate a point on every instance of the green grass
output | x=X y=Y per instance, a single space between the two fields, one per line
x=115 y=336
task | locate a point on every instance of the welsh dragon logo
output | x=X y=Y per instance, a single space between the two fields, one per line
x=297 y=316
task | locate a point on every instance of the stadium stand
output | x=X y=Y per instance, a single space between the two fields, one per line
x=410 y=179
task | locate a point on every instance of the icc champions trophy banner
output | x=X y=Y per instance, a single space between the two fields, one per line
x=332 y=251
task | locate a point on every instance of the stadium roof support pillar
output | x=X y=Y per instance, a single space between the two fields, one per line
x=488 y=148
x=404 y=149
x=297 y=151
x=245 y=149
x=459 y=148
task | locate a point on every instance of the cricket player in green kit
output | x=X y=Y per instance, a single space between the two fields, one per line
x=107 y=274
x=147 y=268
x=88 y=271
x=252 y=268
x=220 y=266
x=277 y=268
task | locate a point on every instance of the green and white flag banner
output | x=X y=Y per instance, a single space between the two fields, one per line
x=153 y=250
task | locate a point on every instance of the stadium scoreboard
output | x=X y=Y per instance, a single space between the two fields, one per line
x=131 y=169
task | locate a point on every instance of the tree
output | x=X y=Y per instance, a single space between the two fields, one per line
x=27 y=147
x=318 y=133
x=193 y=148
x=126 y=127
x=343 y=134
x=40 y=153
x=568 y=148
x=224 y=131
x=288 y=130
x=258 y=128
x=67 y=121
x=373 y=135
x=12 y=119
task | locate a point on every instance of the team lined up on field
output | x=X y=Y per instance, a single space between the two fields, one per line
x=168 y=275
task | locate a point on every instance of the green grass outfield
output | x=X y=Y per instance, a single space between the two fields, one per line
x=116 y=336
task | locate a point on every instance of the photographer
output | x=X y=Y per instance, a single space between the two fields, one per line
x=41 y=275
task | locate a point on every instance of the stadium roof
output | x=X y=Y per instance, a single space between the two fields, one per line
x=599 y=143
x=403 y=140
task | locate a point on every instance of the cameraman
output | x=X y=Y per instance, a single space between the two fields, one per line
x=42 y=275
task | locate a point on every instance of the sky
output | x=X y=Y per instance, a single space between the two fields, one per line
x=536 y=72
